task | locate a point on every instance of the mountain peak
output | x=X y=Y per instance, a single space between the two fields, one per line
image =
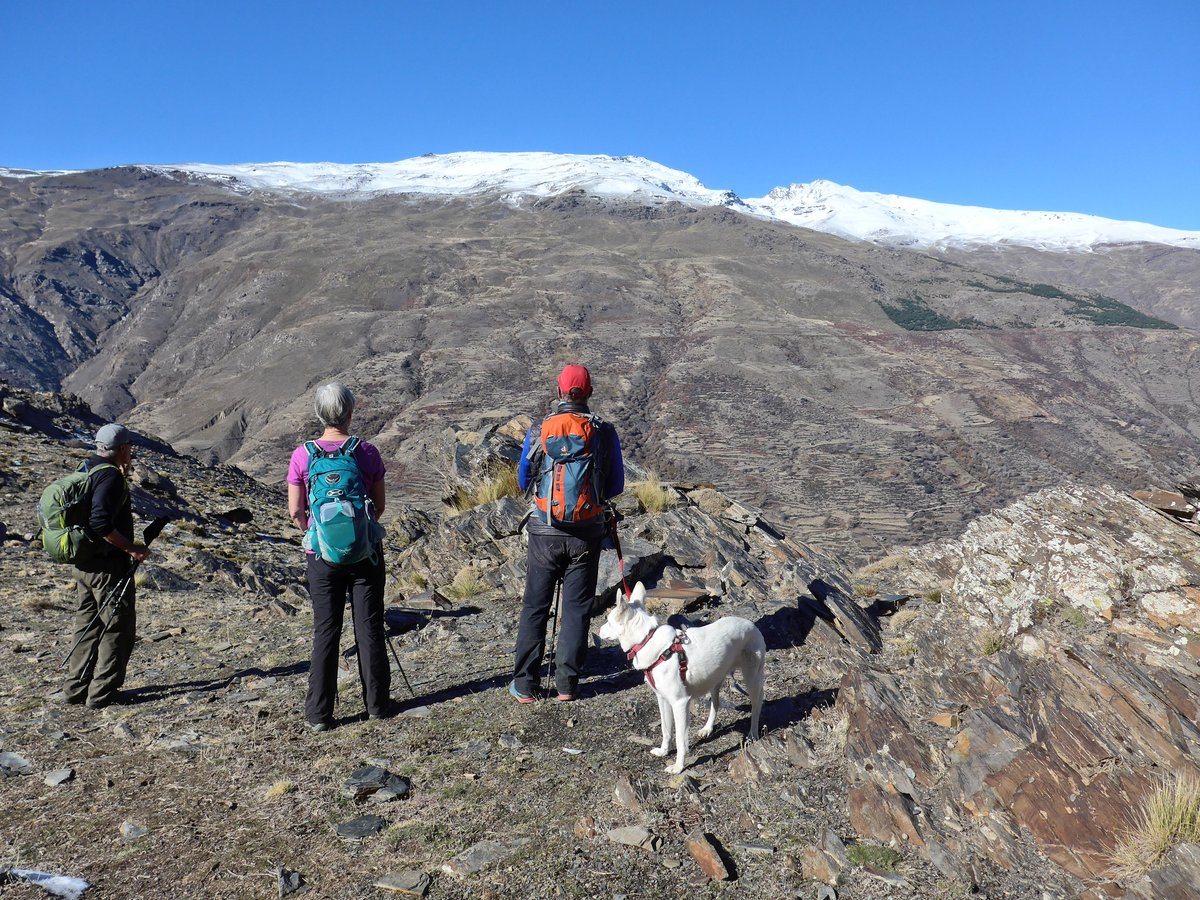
x=821 y=205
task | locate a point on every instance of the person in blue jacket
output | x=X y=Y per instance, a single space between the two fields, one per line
x=567 y=525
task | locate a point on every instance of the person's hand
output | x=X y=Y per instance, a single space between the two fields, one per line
x=140 y=552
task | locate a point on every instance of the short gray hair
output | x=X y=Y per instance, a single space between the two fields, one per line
x=333 y=403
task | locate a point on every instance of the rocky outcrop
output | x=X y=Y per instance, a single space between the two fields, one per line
x=1041 y=699
x=1094 y=550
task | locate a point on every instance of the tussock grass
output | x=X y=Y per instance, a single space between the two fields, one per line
x=502 y=484
x=992 y=641
x=279 y=789
x=874 y=855
x=653 y=497
x=466 y=584
x=1170 y=816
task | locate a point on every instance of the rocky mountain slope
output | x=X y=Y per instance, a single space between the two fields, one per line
x=862 y=395
x=981 y=716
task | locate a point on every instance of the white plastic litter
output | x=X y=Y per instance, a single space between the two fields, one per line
x=56 y=885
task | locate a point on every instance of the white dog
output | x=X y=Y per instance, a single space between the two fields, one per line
x=683 y=664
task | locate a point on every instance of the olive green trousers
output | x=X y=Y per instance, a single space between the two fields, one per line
x=96 y=670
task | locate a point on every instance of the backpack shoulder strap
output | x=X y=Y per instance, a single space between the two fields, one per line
x=314 y=450
x=349 y=446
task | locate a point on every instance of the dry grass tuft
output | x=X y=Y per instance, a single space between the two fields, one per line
x=279 y=789
x=1170 y=816
x=466 y=584
x=653 y=497
x=829 y=736
x=992 y=641
x=502 y=484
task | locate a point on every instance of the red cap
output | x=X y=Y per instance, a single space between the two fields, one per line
x=575 y=378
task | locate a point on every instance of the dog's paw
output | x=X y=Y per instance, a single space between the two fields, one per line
x=674 y=769
x=703 y=733
x=658 y=751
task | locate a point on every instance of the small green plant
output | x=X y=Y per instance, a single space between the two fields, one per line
x=141 y=579
x=934 y=596
x=1072 y=616
x=874 y=855
x=653 y=497
x=992 y=641
x=418 y=580
x=466 y=584
x=1169 y=816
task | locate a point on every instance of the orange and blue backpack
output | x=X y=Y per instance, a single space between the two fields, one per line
x=571 y=458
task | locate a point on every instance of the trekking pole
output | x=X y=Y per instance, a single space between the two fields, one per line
x=613 y=518
x=152 y=531
x=552 y=663
x=396 y=656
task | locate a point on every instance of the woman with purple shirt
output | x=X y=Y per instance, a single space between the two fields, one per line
x=329 y=585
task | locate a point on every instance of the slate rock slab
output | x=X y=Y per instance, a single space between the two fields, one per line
x=855 y=623
x=408 y=883
x=13 y=764
x=290 y=882
x=377 y=784
x=361 y=827
x=480 y=856
x=635 y=836
x=707 y=854
x=59 y=776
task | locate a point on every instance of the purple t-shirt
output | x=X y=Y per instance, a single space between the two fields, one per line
x=370 y=464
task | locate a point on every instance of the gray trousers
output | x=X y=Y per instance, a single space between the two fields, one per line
x=96 y=670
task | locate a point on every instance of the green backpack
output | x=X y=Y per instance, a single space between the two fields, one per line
x=63 y=509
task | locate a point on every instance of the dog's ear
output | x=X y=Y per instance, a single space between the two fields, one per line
x=639 y=594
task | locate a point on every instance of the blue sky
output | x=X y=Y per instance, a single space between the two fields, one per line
x=1088 y=107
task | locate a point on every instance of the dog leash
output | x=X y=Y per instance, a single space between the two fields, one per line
x=613 y=518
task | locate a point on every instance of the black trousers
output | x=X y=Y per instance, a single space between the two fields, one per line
x=328 y=587
x=575 y=561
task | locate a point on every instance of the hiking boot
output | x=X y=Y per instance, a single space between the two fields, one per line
x=521 y=696
x=317 y=727
x=116 y=698
x=566 y=696
x=388 y=711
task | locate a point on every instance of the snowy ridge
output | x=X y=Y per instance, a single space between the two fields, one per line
x=465 y=174
x=820 y=205
x=905 y=221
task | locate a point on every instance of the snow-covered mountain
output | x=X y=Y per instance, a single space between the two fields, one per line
x=905 y=221
x=820 y=205
x=508 y=174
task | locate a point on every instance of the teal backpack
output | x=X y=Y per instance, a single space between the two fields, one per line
x=342 y=530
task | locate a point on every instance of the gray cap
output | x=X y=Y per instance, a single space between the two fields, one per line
x=112 y=436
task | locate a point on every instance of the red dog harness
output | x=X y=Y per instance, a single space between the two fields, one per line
x=676 y=648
